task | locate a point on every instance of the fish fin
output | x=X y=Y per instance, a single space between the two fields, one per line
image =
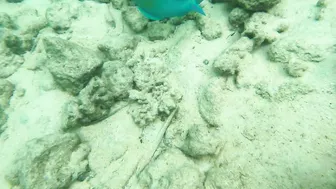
x=197 y=8
x=147 y=15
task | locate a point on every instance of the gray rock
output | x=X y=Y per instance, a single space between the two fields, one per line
x=59 y=16
x=134 y=19
x=93 y=104
x=288 y=91
x=257 y=5
x=95 y=101
x=20 y=40
x=6 y=21
x=118 y=47
x=208 y=105
x=210 y=29
x=102 y=1
x=301 y=48
x=50 y=162
x=235 y=57
x=159 y=102
x=172 y=170
x=320 y=7
x=149 y=73
x=200 y=141
x=14 y=1
x=3 y=119
x=71 y=116
x=71 y=65
x=30 y=22
x=9 y=63
x=291 y=91
x=153 y=96
x=159 y=31
x=263 y=27
x=225 y=176
x=17 y=44
x=296 y=68
x=238 y=16
x=118 y=4
x=118 y=78
x=6 y=92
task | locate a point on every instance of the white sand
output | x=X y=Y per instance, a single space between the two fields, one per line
x=292 y=142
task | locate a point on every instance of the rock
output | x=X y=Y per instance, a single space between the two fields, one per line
x=59 y=16
x=3 y=119
x=210 y=29
x=159 y=31
x=263 y=27
x=6 y=21
x=234 y=58
x=153 y=96
x=16 y=44
x=53 y=161
x=200 y=141
x=118 y=4
x=19 y=37
x=226 y=176
x=149 y=73
x=308 y=49
x=208 y=104
x=9 y=63
x=296 y=68
x=290 y=91
x=118 y=78
x=71 y=65
x=257 y=5
x=95 y=101
x=29 y=21
x=145 y=109
x=171 y=170
x=14 y=1
x=6 y=92
x=93 y=104
x=148 y=106
x=238 y=16
x=103 y=1
x=118 y=47
x=264 y=90
x=71 y=116
x=321 y=6
x=134 y=19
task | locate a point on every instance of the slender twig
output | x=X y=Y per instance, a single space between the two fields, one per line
x=145 y=160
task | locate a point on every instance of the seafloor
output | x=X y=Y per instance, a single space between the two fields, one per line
x=95 y=96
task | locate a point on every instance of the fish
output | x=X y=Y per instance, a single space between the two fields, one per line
x=162 y=9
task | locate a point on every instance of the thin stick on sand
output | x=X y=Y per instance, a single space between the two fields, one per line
x=147 y=157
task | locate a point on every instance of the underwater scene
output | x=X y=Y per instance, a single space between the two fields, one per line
x=167 y=94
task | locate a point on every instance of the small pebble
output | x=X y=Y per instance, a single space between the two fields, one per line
x=206 y=62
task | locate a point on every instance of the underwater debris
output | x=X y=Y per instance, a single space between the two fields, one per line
x=55 y=160
x=71 y=65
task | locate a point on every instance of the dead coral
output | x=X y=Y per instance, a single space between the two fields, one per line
x=148 y=106
x=53 y=161
x=264 y=27
x=152 y=96
x=233 y=59
x=92 y=104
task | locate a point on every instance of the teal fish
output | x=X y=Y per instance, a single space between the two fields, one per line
x=161 y=9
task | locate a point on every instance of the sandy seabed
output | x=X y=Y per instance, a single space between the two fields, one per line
x=93 y=95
